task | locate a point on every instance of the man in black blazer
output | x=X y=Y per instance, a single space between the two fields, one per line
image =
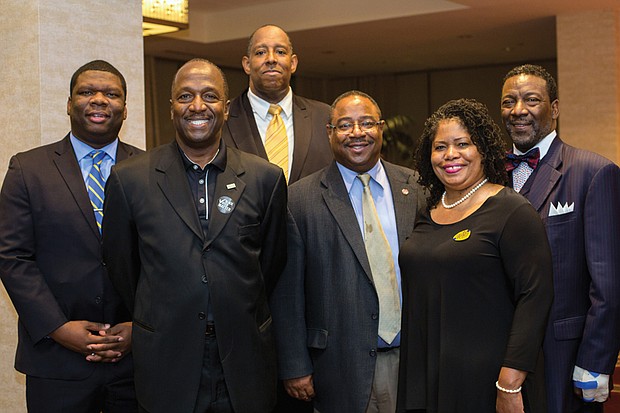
x=577 y=194
x=74 y=331
x=194 y=240
x=326 y=304
x=270 y=62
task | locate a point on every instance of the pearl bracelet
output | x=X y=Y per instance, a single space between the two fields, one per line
x=500 y=388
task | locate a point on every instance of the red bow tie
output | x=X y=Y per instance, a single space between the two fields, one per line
x=531 y=157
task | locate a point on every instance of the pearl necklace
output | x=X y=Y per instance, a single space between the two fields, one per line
x=467 y=195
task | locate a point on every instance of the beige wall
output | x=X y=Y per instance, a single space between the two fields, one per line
x=42 y=42
x=589 y=81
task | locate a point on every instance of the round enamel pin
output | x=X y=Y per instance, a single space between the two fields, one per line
x=225 y=204
x=462 y=236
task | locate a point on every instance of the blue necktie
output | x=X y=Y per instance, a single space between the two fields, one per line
x=95 y=184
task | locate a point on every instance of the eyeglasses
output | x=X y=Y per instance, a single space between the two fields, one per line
x=348 y=127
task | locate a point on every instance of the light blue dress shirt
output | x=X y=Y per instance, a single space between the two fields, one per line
x=86 y=162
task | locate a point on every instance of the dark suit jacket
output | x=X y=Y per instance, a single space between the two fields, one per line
x=325 y=305
x=51 y=260
x=162 y=263
x=310 y=117
x=584 y=323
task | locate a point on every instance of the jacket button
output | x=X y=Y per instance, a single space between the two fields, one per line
x=375 y=316
x=204 y=278
x=373 y=353
x=202 y=315
x=97 y=300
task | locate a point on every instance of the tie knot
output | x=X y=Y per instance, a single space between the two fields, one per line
x=97 y=156
x=365 y=178
x=275 y=110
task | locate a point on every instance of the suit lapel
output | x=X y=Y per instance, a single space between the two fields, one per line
x=171 y=177
x=545 y=177
x=228 y=191
x=337 y=200
x=244 y=131
x=405 y=200
x=69 y=169
x=302 y=125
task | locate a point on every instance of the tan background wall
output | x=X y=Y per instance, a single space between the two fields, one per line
x=42 y=42
x=589 y=81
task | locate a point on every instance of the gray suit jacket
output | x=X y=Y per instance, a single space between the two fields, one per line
x=310 y=117
x=325 y=305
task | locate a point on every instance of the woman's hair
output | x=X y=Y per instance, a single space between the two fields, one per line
x=485 y=134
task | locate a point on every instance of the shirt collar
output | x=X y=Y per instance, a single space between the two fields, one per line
x=261 y=106
x=219 y=160
x=377 y=173
x=82 y=149
x=543 y=146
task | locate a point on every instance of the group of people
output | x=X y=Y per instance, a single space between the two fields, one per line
x=268 y=259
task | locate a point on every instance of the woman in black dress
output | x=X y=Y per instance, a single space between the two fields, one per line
x=476 y=277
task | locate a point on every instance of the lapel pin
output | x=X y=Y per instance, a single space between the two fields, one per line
x=462 y=236
x=225 y=204
x=231 y=186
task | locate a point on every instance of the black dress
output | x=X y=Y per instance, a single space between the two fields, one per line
x=476 y=295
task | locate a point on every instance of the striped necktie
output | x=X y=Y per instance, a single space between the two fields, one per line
x=95 y=184
x=276 y=141
x=381 y=265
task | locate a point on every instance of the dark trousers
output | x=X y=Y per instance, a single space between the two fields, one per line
x=212 y=395
x=109 y=389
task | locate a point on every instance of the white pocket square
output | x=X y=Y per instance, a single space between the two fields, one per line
x=561 y=209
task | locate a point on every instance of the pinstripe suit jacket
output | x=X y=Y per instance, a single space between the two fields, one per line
x=584 y=323
x=325 y=306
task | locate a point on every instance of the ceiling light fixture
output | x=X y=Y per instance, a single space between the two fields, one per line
x=164 y=16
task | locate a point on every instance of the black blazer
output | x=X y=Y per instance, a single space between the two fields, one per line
x=310 y=117
x=162 y=264
x=50 y=257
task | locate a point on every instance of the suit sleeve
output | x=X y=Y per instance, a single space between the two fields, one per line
x=273 y=230
x=600 y=343
x=288 y=310
x=34 y=301
x=529 y=268
x=120 y=241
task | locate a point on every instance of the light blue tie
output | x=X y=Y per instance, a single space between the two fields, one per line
x=96 y=184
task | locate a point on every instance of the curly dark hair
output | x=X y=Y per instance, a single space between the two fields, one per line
x=484 y=132
x=538 y=71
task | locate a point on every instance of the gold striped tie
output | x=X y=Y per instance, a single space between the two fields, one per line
x=381 y=265
x=276 y=142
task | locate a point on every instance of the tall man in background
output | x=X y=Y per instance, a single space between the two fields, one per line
x=577 y=194
x=270 y=121
x=74 y=331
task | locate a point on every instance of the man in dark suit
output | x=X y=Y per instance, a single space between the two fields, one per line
x=270 y=62
x=577 y=194
x=194 y=240
x=326 y=305
x=74 y=331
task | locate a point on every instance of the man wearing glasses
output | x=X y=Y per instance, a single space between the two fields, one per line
x=338 y=343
